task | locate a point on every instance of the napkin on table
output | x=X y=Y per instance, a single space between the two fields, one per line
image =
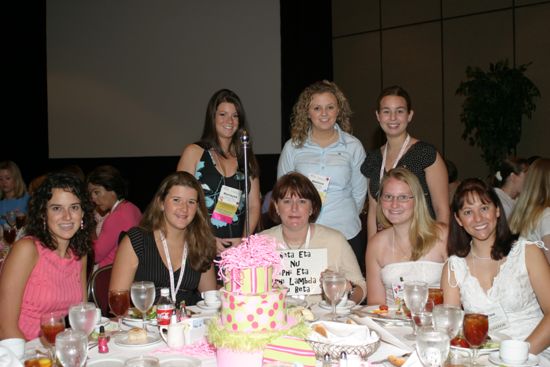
x=344 y=334
x=7 y=358
x=385 y=335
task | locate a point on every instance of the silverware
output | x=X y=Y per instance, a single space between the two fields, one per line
x=380 y=361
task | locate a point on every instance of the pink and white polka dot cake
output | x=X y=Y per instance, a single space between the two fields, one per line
x=253 y=310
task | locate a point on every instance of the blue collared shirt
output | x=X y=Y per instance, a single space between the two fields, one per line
x=341 y=161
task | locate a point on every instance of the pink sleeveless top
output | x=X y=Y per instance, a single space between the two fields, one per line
x=53 y=286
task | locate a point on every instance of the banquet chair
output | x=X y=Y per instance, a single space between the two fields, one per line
x=98 y=288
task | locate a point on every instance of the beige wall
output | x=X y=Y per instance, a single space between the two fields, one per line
x=425 y=46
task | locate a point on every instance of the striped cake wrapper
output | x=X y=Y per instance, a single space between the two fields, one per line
x=250 y=280
x=290 y=349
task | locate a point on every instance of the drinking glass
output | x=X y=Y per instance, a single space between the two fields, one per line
x=20 y=220
x=436 y=295
x=51 y=324
x=143 y=296
x=10 y=234
x=424 y=316
x=432 y=346
x=334 y=286
x=71 y=348
x=448 y=318
x=119 y=303
x=83 y=317
x=476 y=326
x=416 y=296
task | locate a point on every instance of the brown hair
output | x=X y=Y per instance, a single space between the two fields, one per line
x=394 y=90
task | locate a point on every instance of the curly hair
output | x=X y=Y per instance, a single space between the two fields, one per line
x=81 y=242
x=199 y=237
x=459 y=239
x=423 y=232
x=534 y=198
x=110 y=178
x=295 y=183
x=20 y=187
x=209 y=138
x=300 y=122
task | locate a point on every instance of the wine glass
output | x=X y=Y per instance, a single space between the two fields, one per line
x=51 y=324
x=432 y=346
x=83 y=317
x=143 y=296
x=334 y=286
x=416 y=296
x=424 y=317
x=436 y=295
x=476 y=326
x=20 y=220
x=71 y=348
x=448 y=318
x=10 y=234
x=119 y=303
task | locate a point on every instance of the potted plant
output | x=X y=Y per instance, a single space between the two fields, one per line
x=496 y=101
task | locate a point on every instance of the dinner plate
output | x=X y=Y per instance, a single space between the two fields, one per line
x=533 y=360
x=339 y=309
x=392 y=315
x=482 y=350
x=179 y=361
x=204 y=306
x=122 y=340
x=105 y=362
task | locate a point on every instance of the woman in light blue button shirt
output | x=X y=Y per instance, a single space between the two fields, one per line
x=322 y=148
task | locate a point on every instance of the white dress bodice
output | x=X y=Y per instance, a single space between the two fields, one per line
x=421 y=270
x=511 y=289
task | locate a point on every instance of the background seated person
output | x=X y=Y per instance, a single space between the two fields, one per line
x=173 y=247
x=411 y=247
x=108 y=191
x=295 y=203
x=488 y=272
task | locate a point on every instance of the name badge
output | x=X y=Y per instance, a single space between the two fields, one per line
x=227 y=204
x=321 y=184
x=497 y=318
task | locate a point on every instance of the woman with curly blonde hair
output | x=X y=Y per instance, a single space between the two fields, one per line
x=322 y=148
x=412 y=245
x=531 y=215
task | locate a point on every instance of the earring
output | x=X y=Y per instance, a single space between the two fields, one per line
x=82 y=224
x=44 y=222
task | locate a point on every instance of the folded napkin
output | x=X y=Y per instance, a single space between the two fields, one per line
x=343 y=334
x=385 y=335
x=7 y=358
x=413 y=361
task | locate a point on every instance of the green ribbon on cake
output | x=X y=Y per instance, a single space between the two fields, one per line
x=250 y=342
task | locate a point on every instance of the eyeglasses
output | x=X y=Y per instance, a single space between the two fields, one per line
x=400 y=198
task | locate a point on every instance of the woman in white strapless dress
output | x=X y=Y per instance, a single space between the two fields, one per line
x=490 y=273
x=412 y=246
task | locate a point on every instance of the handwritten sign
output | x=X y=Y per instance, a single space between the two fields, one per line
x=301 y=270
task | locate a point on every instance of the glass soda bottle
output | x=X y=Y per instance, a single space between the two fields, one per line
x=165 y=307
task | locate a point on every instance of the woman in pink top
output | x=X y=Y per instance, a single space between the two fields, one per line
x=108 y=191
x=45 y=271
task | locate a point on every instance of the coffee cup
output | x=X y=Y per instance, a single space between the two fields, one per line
x=514 y=351
x=15 y=345
x=211 y=298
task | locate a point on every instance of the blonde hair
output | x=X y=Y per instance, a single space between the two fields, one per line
x=19 y=185
x=300 y=123
x=424 y=231
x=533 y=199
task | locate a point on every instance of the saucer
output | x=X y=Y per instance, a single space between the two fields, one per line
x=533 y=360
x=204 y=306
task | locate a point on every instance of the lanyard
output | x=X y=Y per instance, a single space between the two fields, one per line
x=401 y=152
x=304 y=245
x=173 y=291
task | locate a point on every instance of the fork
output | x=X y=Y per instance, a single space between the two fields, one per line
x=386 y=359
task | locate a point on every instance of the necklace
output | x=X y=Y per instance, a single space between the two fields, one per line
x=479 y=257
x=305 y=243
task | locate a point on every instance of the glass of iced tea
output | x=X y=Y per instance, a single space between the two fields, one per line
x=119 y=302
x=436 y=295
x=475 y=327
x=51 y=324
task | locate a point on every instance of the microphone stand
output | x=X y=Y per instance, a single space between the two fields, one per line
x=244 y=141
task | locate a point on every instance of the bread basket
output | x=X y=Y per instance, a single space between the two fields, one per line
x=335 y=350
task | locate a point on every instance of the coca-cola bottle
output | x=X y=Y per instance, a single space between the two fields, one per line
x=165 y=307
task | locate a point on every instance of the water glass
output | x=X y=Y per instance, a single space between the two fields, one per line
x=143 y=297
x=83 y=317
x=432 y=346
x=416 y=296
x=71 y=348
x=448 y=318
x=334 y=287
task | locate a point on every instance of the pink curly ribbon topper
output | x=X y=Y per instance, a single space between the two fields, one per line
x=253 y=252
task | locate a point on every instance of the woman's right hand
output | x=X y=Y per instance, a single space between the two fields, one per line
x=223 y=244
